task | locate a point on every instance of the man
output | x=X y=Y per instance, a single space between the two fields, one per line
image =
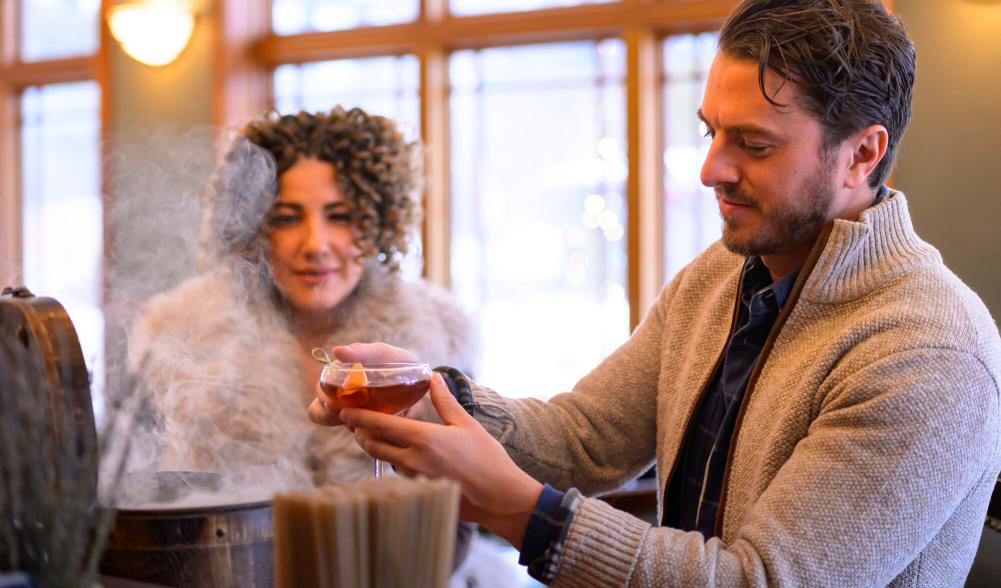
x=818 y=391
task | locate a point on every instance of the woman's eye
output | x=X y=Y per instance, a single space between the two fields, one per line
x=282 y=220
x=339 y=218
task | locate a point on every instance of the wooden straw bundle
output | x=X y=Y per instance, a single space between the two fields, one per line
x=389 y=533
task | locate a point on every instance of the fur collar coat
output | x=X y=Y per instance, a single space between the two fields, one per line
x=225 y=379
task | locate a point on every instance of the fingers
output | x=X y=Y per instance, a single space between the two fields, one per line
x=320 y=414
x=400 y=431
x=449 y=409
x=403 y=459
x=372 y=353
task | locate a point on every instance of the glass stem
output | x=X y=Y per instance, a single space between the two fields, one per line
x=378 y=468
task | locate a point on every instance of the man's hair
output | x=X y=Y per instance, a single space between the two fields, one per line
x=851 y=59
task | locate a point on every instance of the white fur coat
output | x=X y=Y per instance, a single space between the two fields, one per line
x=224 y=376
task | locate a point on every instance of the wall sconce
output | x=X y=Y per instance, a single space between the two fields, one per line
x=153 y=32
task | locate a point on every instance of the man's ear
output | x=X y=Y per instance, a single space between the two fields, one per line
x=868 y=148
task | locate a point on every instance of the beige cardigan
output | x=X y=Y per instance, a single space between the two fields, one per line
x=866 y=448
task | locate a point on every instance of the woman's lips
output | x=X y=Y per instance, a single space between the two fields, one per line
x=315 y=277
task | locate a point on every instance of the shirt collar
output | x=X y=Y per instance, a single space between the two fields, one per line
x=757 y=279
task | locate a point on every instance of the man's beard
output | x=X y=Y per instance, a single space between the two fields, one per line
x=781 y=229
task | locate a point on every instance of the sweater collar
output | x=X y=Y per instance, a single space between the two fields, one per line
x=858 y=256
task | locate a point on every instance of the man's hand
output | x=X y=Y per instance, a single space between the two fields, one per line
x=495 y=492
x=320 y=409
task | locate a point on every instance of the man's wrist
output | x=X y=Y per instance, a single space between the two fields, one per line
x=511 y=525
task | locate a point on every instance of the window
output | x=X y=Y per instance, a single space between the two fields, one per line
x=51 y=234
x=52 y=29
x=468 y=7
x=298 y=16
x=691 y=217
x=61 y=206
x=387 y=86
x=538 y=208
x=562 y=153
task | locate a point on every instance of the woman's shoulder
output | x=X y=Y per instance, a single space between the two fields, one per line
x=196 y=313
x=198 y=298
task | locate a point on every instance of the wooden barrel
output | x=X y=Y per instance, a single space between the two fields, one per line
x=219 y=546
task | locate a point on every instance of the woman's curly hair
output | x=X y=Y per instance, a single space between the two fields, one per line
x=377 y=171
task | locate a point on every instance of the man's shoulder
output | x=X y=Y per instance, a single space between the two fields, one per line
x=938 y=309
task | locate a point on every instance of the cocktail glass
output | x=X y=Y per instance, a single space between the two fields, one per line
x=389 y=388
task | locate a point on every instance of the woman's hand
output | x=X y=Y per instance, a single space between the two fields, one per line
x=320 y=411
x=373 y=353
x=495 y=492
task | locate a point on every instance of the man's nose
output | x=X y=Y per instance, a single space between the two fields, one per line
x=719 y=167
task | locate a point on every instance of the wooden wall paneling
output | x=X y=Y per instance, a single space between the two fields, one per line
x=242 y=83
x=435 y=130
x=644 y=189
x=10 y=200
x=10 y=192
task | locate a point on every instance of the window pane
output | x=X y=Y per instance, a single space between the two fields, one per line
x=62 y=211
x=387 y=86
x=691 y=217
x=538 y=209
x=289 y=17
x=51 y=29
x=467 y=7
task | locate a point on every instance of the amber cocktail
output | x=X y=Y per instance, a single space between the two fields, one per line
x=389 y=388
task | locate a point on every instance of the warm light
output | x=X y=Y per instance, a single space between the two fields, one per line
x=153 y=32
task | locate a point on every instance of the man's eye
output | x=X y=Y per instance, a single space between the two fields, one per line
x=756 y=149
x=342 y=218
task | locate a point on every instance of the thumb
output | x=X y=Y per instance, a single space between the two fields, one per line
x=448 y=408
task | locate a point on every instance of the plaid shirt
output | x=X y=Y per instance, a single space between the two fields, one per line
x=694 y=491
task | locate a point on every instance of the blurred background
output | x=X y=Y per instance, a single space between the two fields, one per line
x=562 y=147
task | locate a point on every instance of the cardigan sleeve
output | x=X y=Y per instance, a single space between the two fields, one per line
x=596 y=437
x=894 y=452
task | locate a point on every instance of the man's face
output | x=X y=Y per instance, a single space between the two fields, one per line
x=774 y=185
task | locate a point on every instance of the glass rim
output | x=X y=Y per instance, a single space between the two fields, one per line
x=384 y=366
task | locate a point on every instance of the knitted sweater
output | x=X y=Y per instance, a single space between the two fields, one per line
x=867 y=444
x=226 y=384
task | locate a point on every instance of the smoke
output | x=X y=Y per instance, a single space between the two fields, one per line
x=191 y=320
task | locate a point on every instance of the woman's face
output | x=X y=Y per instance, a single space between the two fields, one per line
x=313 y=251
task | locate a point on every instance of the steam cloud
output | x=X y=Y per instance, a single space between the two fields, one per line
x=174 y=213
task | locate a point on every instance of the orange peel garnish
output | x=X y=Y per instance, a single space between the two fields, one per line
x=354 y=392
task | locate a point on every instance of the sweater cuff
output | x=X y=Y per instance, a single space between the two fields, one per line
x=546 y=533
x=601 y=547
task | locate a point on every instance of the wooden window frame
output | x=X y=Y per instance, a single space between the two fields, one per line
x=641 y=24
x=15 y=77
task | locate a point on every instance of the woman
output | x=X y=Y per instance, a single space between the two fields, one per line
x=310 y=218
